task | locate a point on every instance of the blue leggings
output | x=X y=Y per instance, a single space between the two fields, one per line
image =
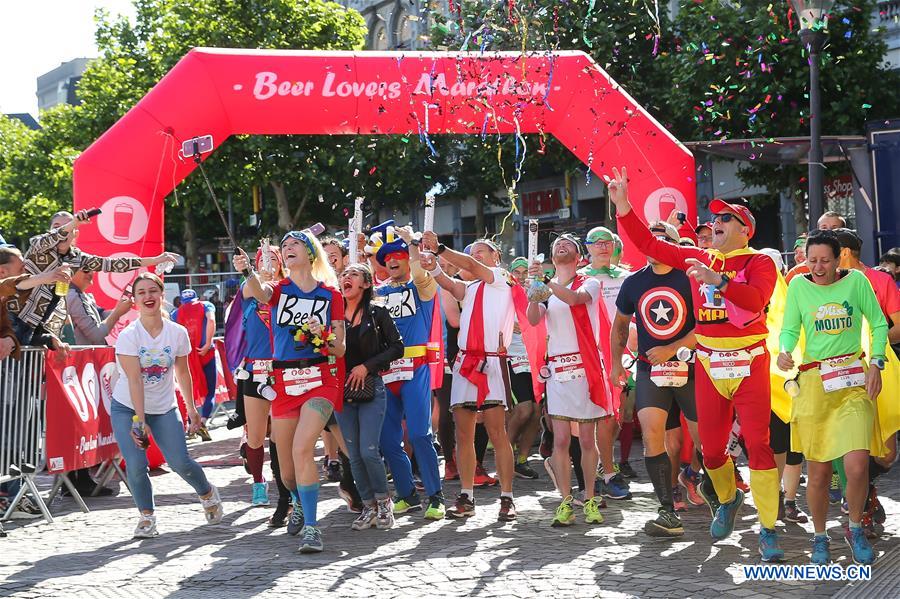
x=168 y=432
x=209 y=402
x=414 y=404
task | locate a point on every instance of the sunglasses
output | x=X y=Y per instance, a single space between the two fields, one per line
x=727 y=218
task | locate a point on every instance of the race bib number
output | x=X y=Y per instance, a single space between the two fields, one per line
x=298 y=381
x=840 y=374
x=724 y=365
x=669 y=374
x=568 y=368
x=519 y=364
x=399 y=371
x=260 y=370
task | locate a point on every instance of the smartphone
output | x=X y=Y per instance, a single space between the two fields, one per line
x=682 y=217
x=204 y=145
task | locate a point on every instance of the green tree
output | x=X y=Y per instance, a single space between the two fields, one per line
x=740 y=71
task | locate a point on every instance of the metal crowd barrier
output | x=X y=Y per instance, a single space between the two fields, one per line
x=23 y=425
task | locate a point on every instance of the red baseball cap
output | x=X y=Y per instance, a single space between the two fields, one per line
x=743 y=213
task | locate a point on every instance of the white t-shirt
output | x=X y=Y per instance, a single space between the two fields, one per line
x=157 y=360
x=499 y=311
x=610 y=287
x=561 y=337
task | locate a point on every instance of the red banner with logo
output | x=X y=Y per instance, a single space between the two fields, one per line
x=79 y=390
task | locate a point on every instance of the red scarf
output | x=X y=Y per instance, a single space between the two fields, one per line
x=534 y=338
x=474 y=353
x=436 y=344
x=587 y=347
x=192 y=316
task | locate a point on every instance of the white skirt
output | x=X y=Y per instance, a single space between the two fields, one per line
x=571 y=400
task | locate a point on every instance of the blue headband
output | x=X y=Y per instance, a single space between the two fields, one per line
x=302 y=236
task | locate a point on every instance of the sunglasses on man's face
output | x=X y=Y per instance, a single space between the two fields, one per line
x=727 y=218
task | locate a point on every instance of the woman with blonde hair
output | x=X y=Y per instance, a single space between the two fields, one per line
x=307 y=320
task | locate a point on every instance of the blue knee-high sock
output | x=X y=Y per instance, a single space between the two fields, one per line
x=309 y=498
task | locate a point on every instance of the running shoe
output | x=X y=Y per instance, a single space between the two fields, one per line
x=450 y=470
x=463 y=508
x=845 y=508
x=794 y=514
x=616 y=488
x=578 y=499
x=203 y=432
x=354 y=503
x=868 y=526
x=146 y=527
x=689 y=484
x=507 y=511
x=260 y=494
x=739 y=481
x=436 y=509
x=821 y=553
x=678 y=499
x=524 y=470
x=723 y=523
x=483 y=479
x=213 y=507
x=626 y=470
x=874 y=507
x=295 y=521
x=384 y=514
x=278 y=519
x=548 y=466
x=235 y=421
x=666 y=524
x=834 y=491
x=546 y=447
x=333 y=471
x=366 y=518
x=768 y=546
x=407 y=504
x=707 y=492
x=565 y=515
x=591 y=511
x=26 y=510
x=311 y=540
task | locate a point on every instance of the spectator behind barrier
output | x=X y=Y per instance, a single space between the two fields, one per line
x=91 y=323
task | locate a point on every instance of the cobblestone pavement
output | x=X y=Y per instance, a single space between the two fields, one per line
x=93 y=555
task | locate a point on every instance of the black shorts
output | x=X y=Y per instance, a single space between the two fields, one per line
x=474 y=408
x=780 y=440
x=648 y=395
x=673 y=420
x=249 y=388
x=522 y=388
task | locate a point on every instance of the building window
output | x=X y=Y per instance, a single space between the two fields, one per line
x=380 y=37
x=404 y=31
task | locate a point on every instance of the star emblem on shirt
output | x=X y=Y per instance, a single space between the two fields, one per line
x=661 y=312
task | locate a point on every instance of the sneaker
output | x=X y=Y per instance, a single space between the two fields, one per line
x=235 y=421
x=204 y=433
x=874 y=507
x=483 y=479
x=436 y=509
x=279 y=518
x=311 y=540
x=739 y=481
x=384 y=518
x=768 y=546
x=546 y=447
x=366 y=518
x=616 y=488
x=591 y=511
x=578 y=499
x=463 y=508
x=333 y=471
x=868 y=526
x=354 y=504
x=708 y=493
x=834 y=491
x=507 y=510
x=418 y=484
x=565 y=515
x=26 y=510
x=626 y=470
x=723 y=522
x=666 y=524
x=523 y=470
x=678 y=499
x=548 y=466
x=450 y=470
x=689 y=484
x=146 y=527
x=794 y=514
x=213 y=507
x=845 y=509
x=407 y=504
x=295 y=522
x=260 y=494
x=821 y=553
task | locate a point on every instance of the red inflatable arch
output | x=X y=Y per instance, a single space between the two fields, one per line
x=222 y=92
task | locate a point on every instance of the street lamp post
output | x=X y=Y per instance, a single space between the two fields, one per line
x=812 y=34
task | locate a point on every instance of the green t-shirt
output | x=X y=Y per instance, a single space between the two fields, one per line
x=831 y=316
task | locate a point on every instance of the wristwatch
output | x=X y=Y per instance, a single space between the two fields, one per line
x=441 y=248
x=415 y=242
x=725 y=279
x=877 y=363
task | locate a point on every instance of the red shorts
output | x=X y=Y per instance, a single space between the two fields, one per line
x=288 y=406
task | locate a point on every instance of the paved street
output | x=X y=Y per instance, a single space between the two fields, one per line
x=93 y=555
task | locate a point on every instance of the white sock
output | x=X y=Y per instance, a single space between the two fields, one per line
x=469 y=492
x=608 y=477
x=506 y=494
